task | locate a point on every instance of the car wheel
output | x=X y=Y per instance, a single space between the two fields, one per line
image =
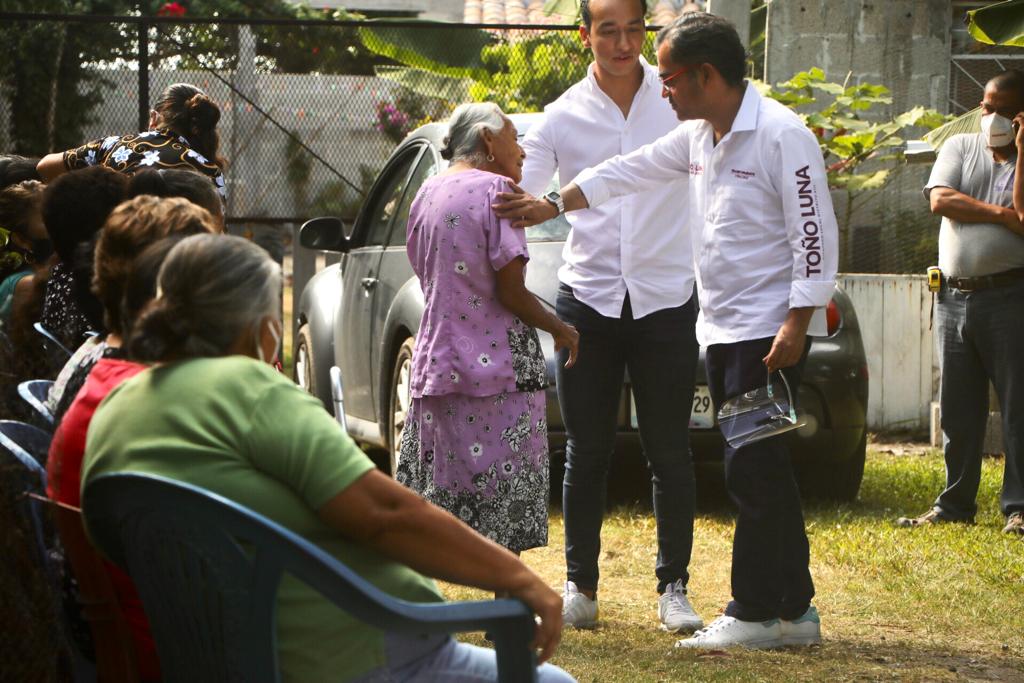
x=839 y=482
x=303 y=371
x=400 y=400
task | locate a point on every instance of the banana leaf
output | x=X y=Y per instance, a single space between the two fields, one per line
x=565 y=8
x=999 y=24
x=435 y=86
x=431 y=46
x=965 y=123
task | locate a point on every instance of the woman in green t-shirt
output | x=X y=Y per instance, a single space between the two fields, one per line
x=213 y=413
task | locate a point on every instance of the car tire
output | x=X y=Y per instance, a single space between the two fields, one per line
x=839 y=482
x=303 y=371
x=399 y=400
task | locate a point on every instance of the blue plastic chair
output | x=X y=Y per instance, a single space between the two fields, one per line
x=25 y=447
x=207 y=570
x=52 y=344
x=35 y=393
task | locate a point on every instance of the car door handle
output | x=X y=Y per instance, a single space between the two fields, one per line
x=368 y=283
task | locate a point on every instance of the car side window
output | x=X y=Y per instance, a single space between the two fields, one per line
x=424 y=169
x=385 y=201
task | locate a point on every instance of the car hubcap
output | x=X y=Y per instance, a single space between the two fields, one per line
x=300 y=368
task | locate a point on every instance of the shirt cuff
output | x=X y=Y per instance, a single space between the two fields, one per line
x=592 y=187
x=816 y=293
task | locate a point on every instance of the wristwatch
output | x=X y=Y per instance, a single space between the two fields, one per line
x=556 y=199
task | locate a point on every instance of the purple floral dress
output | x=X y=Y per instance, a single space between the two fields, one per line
x=475 y=439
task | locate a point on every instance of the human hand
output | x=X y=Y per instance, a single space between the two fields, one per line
x=547 y=605
x=1012 y=221
x=523 y=209
x=1018 y=129
x=568 y=338
x=790 y=340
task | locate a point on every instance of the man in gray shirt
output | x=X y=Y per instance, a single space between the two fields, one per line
x=980 y=308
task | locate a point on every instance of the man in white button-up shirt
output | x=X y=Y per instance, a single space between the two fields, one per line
x=764 y=240
x=626 y=286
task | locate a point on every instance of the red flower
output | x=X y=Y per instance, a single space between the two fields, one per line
x=171 y=9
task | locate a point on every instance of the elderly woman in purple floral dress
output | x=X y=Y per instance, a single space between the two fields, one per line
x=475 y=440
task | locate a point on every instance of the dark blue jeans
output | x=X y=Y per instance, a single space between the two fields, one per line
x=771 y=577
x=980 y=339
x=660 y=352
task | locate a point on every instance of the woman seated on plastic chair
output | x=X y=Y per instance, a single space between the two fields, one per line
x=214 y=413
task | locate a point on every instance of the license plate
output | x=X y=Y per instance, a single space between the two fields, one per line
x=702 y=412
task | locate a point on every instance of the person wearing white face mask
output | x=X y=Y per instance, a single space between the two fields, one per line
x=979 y=313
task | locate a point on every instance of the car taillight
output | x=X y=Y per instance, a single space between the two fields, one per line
x=833 y=317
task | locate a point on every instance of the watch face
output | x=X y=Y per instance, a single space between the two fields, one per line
x=553 y=196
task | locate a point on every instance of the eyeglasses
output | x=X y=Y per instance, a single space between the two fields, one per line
x=759 y=414
x=665 y=79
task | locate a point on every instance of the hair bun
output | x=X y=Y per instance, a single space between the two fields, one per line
x=203 y=114
x=446 y=148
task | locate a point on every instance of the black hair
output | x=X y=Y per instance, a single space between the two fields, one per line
x=188 y=111
x=586 y=18
x=76 y=205
x=15 y=169
x=702 y=38
x=177 y=182
x=1012 y=80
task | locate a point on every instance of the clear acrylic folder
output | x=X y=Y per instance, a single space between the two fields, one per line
x=759 y=414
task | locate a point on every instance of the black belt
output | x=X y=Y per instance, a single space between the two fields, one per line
x=970 y=284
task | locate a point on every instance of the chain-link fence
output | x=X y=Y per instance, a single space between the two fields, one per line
x=311 y=109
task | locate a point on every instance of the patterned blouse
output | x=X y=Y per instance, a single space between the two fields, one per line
x=137 y=151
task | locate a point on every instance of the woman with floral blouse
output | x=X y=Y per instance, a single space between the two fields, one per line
x=182 y=134
x=475 y=439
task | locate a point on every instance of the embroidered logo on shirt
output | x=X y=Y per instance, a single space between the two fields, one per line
x=742 y=175
x=696 y=169
x=811 y=241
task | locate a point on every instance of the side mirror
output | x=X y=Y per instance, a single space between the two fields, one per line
x=326 y=233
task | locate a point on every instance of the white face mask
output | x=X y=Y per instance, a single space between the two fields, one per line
x=998 y=130
x=276 y=334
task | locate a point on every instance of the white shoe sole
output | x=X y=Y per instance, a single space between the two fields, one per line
x=684 y=628
x=768 y=644
x=585 y=626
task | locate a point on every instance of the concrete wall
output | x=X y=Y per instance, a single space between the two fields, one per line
x=903 y=44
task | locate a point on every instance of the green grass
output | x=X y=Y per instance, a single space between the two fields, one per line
x=934 y=604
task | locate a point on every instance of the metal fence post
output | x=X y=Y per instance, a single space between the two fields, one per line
x=143 y=75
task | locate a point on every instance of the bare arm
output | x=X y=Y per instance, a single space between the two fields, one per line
x=378 y=512
x=51 y=166
x=945 y=201
x=513 y=295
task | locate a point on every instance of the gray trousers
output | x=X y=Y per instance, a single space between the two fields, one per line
x=980 y=339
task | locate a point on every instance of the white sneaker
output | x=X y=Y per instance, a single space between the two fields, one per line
x=578 y=610
x=675 y=612
x=805 y=630
x=731 y=632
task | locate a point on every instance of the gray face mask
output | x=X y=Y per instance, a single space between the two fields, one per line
x=276 y=334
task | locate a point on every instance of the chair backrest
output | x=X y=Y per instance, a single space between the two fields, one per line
x=52 y=344
x=26 y=442
x=35 y=392
x=22 y=453
x=207 y=570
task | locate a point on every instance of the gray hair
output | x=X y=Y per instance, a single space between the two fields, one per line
x=466 y=127
x=211 y=289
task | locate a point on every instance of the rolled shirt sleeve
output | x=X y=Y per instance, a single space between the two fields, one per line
x=662 y=161
x=809 y=218
x=948 y=168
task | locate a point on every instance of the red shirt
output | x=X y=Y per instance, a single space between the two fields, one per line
x=64 y=481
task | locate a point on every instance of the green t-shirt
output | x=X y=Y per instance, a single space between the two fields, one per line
x=240 y=429
x=7 y=287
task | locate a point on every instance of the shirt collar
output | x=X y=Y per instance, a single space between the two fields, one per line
x=746 y=117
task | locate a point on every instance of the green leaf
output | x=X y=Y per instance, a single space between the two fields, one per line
x=566 y=8
x=965 y=123
x=861 y=181
x=426 y=83
x=431 y=46
x=830 y=88
x=999 y=24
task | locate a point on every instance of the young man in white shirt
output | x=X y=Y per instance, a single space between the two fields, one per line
x=764 y=238
x=626 y=285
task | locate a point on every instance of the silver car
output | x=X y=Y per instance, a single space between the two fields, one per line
x=356 y=322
